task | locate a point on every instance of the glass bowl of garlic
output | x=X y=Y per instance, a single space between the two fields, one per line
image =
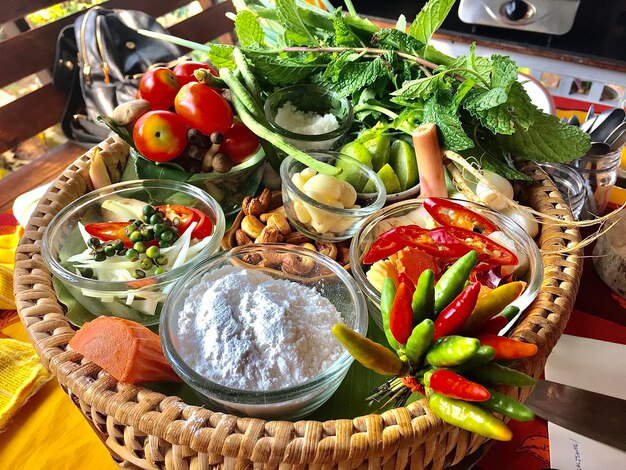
x=330 y=208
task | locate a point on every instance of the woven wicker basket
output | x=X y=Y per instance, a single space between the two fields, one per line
x=149 y=430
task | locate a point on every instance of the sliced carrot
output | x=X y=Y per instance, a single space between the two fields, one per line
x=413 y=261
x=128 y=351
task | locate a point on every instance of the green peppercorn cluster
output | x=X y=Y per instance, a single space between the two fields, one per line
x=153 y=227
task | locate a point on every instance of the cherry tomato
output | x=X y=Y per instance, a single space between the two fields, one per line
x=204 y=227
x=160 y=136
x=203 y=108
x=109 y=231
x=159 y=86
x=451 y=214
x=239 y=143
x=184 y=71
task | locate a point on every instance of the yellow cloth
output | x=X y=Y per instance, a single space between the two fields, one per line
x=21 y=375
x=8 y=245
x=50 y=432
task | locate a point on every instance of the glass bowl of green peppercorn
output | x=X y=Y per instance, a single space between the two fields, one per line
x=118 y=250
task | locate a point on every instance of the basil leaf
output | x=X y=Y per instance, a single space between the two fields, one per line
x=429 y=19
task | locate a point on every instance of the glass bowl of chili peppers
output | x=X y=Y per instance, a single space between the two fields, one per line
x=403 y=240
x=117 y=251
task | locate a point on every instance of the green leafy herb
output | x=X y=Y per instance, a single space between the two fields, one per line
x=343 y=33
x=249 y=31
x=289 y=15
x=447 y=119
x=221 y=55
x=429 y=19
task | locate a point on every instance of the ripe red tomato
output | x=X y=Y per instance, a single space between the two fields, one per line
x=203 y=108
x=239 y=143
x=160 y=136
x=159 y=86
x=184 y=71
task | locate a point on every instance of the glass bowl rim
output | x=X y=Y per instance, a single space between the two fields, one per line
x=117 y=286
x=376 y=205
x=214 y=390
x=344 y=125
x=521 y=237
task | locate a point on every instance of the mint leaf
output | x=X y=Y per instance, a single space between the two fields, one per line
x=221 y=55
x=504 y=72
x=429 y=19
x=393 y=39
x=401 y=23
x=522 y=109
x=479 y=99
x=281 y=70
x=343 y=34
x=446 y=118
x=354 y=76
x=422 y=88
x=547 y=140
x=498 y=120
x=249 y=31
x=463 y=90
x=478 y=65
x=291 y=20
x=363 y=26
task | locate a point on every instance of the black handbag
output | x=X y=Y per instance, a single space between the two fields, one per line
x=97 y=62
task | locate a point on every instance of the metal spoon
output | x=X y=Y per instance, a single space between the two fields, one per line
x=588 y=124
x=574 y=121
x=590 y=113
x=599 y=148
x=602 y=130
x=619 y=141
x=616 y=132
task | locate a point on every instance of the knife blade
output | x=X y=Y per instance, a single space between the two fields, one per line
x=599 y=417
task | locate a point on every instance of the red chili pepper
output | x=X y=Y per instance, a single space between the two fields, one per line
x=453 y=385
x=401 y=316
x=494 y=325
x=447 y=245
x=109 y=231
x=487 y=249
x=451 y=214
x=403 y=278
x=386 y=245
x=452 y=318
x=412 y=384
x=435 y=242
x=507 y=348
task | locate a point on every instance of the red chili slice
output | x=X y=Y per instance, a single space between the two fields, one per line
x=184 y=214
x=451 y=214
x=204 y=227
x=386 y=245
x=488 y=250
x=109 y=231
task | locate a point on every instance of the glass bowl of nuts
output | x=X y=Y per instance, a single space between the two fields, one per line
x=227 y=184
x=263 y=219
x=330 y=208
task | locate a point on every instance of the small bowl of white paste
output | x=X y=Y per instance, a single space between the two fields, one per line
x=309 y=117
x=250 y=329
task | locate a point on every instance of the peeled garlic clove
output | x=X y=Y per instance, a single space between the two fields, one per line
x=491 y=198
x=324 y=184
x=301 y=212
x=528 y=223
x=348 y=194
x=308 y=173
x=298 y=180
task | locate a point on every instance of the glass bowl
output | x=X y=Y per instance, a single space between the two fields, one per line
x=321 y=221
x=140 y=300
x=379 y=222
x=327 y=277
x=310 y=98
x=228 y=189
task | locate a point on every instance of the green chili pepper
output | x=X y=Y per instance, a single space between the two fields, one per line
x=504 y=404
x=483 y=355
x=372 y=355
x=387 y=295
x=496 y=374
x=509 y=312
x=423 y=303
x=489 y=305
x=420 y=340
x=452 y=351
x=453 y=280
x=469 y=417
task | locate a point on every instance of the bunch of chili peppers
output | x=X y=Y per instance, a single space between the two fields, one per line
x=446 y=347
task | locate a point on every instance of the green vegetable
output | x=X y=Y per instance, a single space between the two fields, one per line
x=452 y=351
x=424 y=297
x=452 y=282
x=509 y=312
x=469 y=416
x=504 y=404
x=420 y=340
x=387 y=294
x=496 y=374
x=483 y=355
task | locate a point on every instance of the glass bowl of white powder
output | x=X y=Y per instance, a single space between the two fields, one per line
x=309 y=117
x=255 y=339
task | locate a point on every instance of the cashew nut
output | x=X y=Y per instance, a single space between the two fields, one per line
x=252 y=226
x=279 y=222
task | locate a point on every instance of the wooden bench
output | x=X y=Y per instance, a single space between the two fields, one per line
x=31 y=51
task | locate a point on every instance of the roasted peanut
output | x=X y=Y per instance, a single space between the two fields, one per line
x=328 y=249
x=242 y=238
x=252 y=226
x=279 y=222
x=269 y=235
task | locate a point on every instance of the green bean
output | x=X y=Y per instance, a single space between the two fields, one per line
x=248 y=78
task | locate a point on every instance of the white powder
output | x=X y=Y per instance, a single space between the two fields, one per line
x=307 y=123
x=246 y=330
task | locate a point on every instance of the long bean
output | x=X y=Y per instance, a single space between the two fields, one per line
x=248 y=79
x=242 y=102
